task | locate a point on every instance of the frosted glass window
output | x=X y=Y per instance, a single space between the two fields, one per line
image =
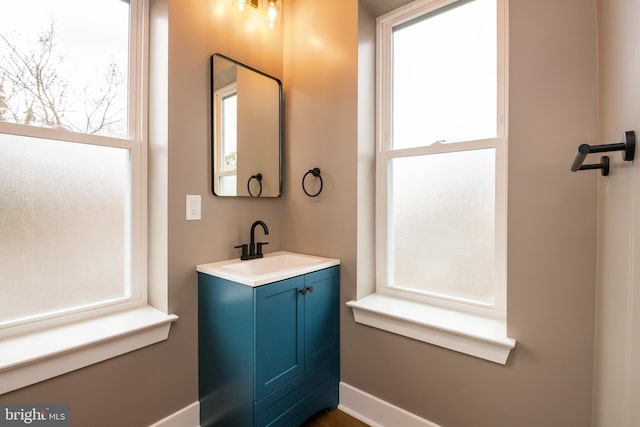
x=441 y=204
x=64 y=64
x=442 y=224
x=445 y=76
x=65 y=216
x=72 y=160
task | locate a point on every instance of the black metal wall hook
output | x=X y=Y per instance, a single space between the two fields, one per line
x=257 y=177
x=315 y=172
x=627 y=146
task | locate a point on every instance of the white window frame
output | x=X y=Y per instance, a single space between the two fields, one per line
x=469 y=327
x=35 y=349
x=219 y=97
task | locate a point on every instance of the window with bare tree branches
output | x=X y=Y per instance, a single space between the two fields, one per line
x=72 y=150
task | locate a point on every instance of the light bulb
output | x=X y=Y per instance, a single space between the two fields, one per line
x=239 y=4
x=272 y=13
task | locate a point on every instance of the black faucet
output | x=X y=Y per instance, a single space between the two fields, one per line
x=252 y=245
x=255 y=249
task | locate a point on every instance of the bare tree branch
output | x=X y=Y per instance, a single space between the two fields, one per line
x=32 y=90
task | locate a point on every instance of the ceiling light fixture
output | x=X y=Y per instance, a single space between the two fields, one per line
x=269 y=9
x=241 y=5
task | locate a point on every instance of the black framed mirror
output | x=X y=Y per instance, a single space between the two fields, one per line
x=246 y=133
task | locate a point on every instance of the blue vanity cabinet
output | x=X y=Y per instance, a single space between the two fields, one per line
x=268 y=355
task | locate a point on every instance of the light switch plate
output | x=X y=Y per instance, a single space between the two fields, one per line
x=193 y=207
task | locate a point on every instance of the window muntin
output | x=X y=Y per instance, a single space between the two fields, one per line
x=442 y=165
x=76 y=222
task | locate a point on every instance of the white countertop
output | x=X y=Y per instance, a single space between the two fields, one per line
x=272 y=267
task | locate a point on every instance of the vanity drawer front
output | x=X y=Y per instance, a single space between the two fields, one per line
x=299 y=399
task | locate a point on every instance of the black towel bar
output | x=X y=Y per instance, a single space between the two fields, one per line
x=627 y=146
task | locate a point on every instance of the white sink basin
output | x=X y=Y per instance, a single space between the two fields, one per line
x=272 y=268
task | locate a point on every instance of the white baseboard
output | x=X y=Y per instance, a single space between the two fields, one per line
x=357 y=403
x=376 y=412
x=189 y=416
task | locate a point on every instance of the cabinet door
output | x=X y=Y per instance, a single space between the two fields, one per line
x=279 y=318
x=321 y=316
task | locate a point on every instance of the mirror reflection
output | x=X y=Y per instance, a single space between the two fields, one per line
x=247 y=131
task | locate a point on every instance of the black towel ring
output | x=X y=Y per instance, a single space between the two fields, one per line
x=257 y=177
x=315 y=172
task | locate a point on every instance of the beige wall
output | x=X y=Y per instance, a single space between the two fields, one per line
x=320 y=82
x=617 y=377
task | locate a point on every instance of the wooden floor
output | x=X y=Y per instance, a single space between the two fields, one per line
x=336 y=418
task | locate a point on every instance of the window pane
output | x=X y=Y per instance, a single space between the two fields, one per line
x=64 y=64
x=64 y=218
x=442 y=222
x=229 y=133
x=445 y=76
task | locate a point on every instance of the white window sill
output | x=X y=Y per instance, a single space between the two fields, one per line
x=30 y=358
x=475 y=335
